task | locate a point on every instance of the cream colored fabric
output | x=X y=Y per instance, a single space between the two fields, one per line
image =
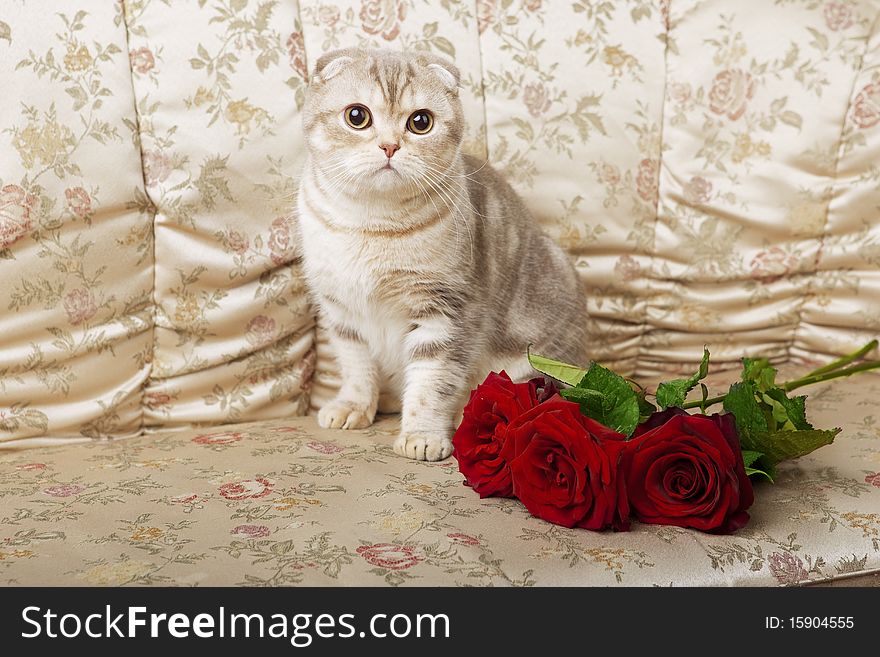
x=76 y=259
x=711 y=167
x=218 y=88
x=283 y=503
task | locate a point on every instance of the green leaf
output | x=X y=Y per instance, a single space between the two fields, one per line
x=570 y=374
x=751 y=459
x=779 y=446
x=755 y=471
x=607 y=398
x=673 y=393
x=646 y=408
x=750 y=456
x=759 y=371
x=750 y=420
x=789 y=413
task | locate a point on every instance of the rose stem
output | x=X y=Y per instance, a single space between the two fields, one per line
x=845 y=360
x=810 y=379
x=827 y=376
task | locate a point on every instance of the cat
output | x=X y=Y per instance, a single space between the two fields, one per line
x=424 y=264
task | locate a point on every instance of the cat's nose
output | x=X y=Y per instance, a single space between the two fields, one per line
x=390 y=149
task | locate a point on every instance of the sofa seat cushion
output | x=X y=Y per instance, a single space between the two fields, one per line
x=284 y=502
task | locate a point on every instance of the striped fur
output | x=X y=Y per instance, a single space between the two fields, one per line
x=431 y=273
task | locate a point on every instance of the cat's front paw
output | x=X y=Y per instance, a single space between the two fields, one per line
x=422 y=447
x=339 y=414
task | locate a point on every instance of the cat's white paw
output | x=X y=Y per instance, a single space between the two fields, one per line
x=422 y=447
x=339 y=414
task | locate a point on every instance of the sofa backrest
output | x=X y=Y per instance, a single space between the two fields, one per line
x=710 y=166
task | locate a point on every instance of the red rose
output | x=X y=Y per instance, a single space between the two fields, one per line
x=477 y=442
x=687 y=470
x=564 y=467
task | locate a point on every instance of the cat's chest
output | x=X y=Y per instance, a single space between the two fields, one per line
x=358 y=269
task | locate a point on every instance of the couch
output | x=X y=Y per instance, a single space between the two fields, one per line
x=711 y=167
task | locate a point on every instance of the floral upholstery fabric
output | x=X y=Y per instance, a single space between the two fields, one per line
x=218 y=89
x=75 y=324
x=272 y=503
x=711 y=167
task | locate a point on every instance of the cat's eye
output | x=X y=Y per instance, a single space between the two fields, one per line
x=420 y=122
x=357 y=117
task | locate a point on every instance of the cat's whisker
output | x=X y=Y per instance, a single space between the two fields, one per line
x=457 y=216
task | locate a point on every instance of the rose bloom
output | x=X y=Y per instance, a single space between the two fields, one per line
x=563 y=466
x=382 y=17
x=687 y=470
x=627 y=268
x=64 y=490
x=157 y=400
x=478 y=441
x=79 y=306
x=324 y=447
x=247 y=489
x=697 y=190
x=261 y=330
x=237 y=242
x=184 y=499
x=463 y=539
x=240 y=111
x=77 y=59
x=328 y=15
x=157 y=167
x=772 y=264
x=389 y=555
x=866 y=107
x=16 y=208
x=680 y=92
x=142 y=60
x=296 y=48
x=610 y=174
x=31 y=466
x=279 y=241
x=787 y=568
x=485 y=14
x=838 y=16
x=872 y=478
x=646 y=180
x=533 y=5
x=78 y=201
x=536 y=98
x=251 y=531
x=731 y=91
x=222 y=438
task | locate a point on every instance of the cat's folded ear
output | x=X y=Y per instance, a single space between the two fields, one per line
x=331 y=63
x=443 y=69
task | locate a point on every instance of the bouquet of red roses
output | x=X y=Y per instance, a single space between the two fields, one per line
x=592 y=451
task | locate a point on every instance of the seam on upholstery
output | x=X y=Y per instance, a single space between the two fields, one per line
x=835 y=187
x=482 y=81
x=306 y=389
x=153 y=212
x=652 y=251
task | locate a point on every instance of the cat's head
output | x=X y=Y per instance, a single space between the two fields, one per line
x=381 y=120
